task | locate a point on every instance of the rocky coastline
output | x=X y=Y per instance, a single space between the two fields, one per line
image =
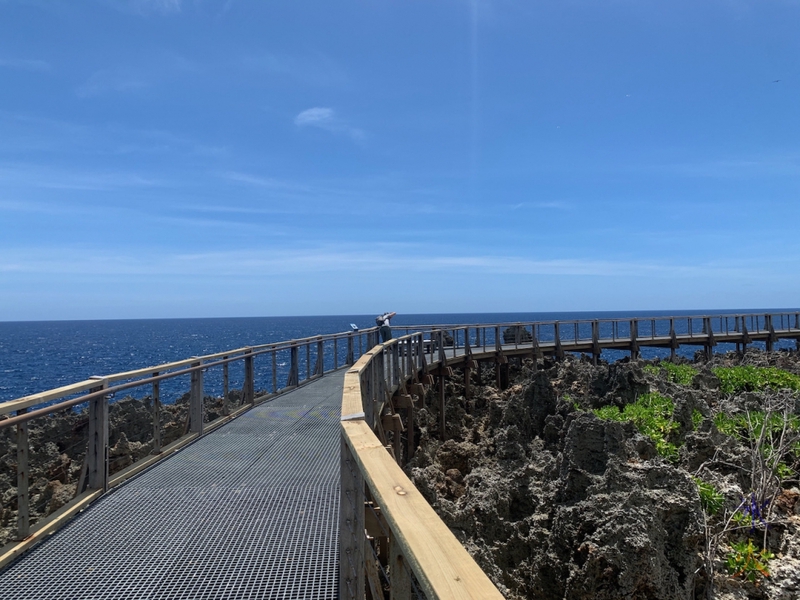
x=554 y=493
x=557 y=495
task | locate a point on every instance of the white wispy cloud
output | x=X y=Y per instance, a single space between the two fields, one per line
x=734 y=167
x=279 y=260
x=265 y=182
x=314 y=69
x=104 y=81
x=145 y=7
x=31 y=175
x=327 y=119
x=25 y=64
x=555 y=205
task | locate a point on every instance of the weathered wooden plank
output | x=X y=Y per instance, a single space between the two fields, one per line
x=352 y=405
x=48 y=396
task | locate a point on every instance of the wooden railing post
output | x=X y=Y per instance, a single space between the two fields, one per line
x=673 y=340
x=536 y=350
x=249 y=385
x=97 y=450
x=771 y=337
x=23 y=479
x=156 y=415
x=559 y=349
x=634 y=339
x=349 y=360
x=595 y=342
x=196 y=400
x=745 y=336
x=274 y=372
x=225 y=388
x=319 y=368
x=294 y=369
x=710 y=339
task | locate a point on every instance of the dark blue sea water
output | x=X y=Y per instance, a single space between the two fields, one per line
x=37 y=356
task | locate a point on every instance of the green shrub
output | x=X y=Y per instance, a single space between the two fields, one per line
x=651 y=370
x=731 y=425
x=652 y=416
x=734 y=380
x=680 y=374
x=697 y=418
x=744 y=561
x=710 y=499
x=737 y=425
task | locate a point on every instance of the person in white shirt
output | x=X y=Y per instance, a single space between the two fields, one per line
x=383 y=323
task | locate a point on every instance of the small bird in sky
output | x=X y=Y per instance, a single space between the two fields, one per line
x=776 y=81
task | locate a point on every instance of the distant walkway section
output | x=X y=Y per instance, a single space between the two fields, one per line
x=248 y=511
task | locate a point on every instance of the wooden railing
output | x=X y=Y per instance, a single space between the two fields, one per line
x=389 y=534
x=307 y=359
x=594 y=335
x=390 y=537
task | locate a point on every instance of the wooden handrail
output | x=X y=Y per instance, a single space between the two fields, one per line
x=96 y=392
x=419 y=541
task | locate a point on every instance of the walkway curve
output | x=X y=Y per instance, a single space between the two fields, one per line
x=248 y=511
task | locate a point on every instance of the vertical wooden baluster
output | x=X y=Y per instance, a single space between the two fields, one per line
x=23 y=479
x=274 y=371
x=350 y=358
x=225 y=388
x=156 y=415
x=196 y=400
x=294 y=376
x=249 y=386
x=97 y=453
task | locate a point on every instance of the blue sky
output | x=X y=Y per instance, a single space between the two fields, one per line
x=167 y=158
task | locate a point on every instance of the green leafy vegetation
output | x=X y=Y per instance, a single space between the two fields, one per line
x=697 y=418
x=652 y=416
x=710 y=499
x=680 y=374
x=651 y=369
x=739 y=426
x=734 y=380
x=741 y=519
x=730 y=425
x=746 y=562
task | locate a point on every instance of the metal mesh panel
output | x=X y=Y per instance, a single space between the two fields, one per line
x=249 y=511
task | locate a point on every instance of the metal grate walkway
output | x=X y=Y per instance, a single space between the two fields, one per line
x=248 y=511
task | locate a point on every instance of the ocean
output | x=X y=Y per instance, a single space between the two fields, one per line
x=41 y=355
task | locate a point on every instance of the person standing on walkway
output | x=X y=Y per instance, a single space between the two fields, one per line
x=383 y=323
